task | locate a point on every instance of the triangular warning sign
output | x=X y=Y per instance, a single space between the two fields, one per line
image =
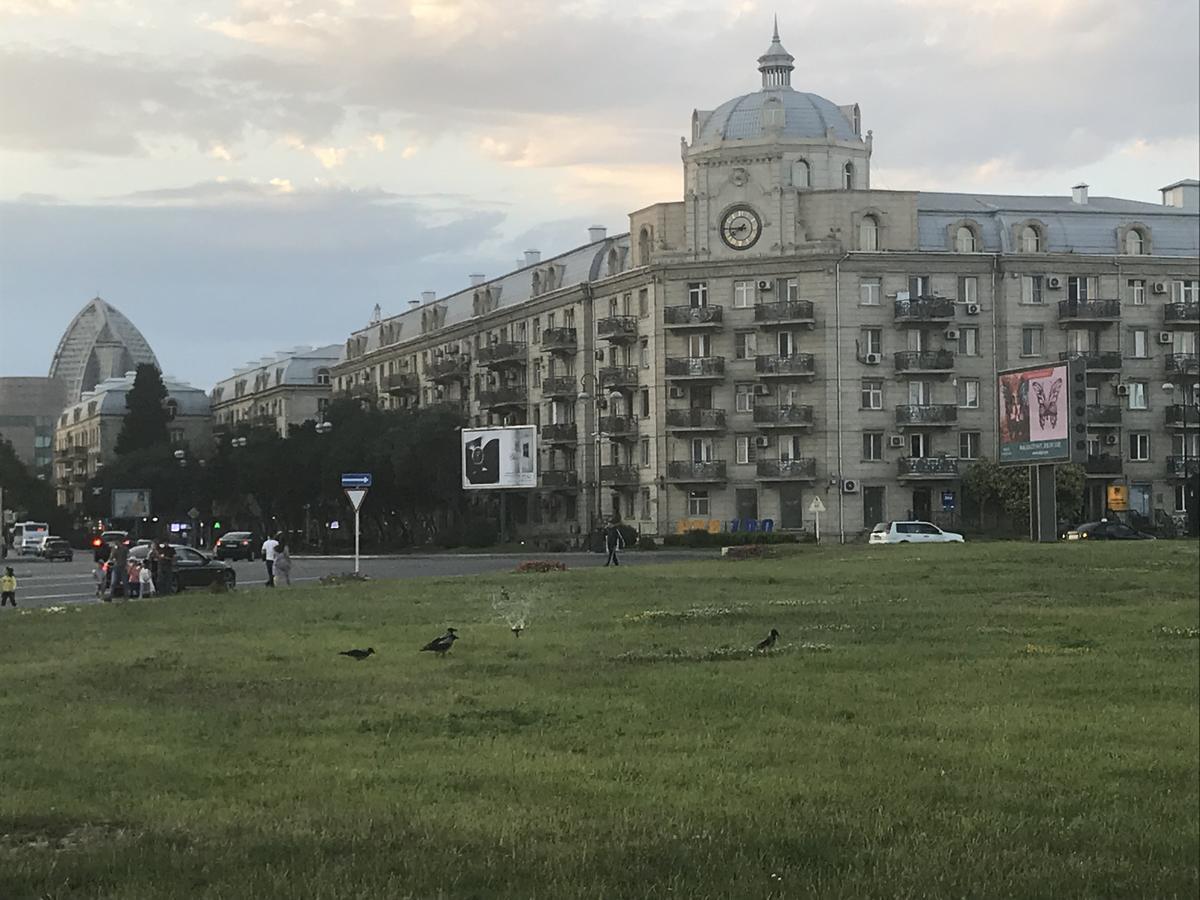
x=355 y=496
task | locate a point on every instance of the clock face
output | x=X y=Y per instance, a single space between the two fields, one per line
x=740 y=228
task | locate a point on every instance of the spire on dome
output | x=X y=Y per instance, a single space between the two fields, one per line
x=776 y=64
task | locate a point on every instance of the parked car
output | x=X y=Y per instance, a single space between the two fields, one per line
x=56 y=548
x=912 y=532
x=238 y=545
x=193 y=568
x=1107 y=530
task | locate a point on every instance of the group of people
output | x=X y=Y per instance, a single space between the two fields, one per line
x=279 y=561
x=118 y=575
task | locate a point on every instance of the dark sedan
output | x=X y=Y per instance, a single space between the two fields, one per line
x=237 y=545
x=1106 y=530
x=56 y=548
x=193 y=568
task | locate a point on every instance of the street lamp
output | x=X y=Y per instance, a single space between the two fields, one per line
x=237 y=442
x=1189 y=403
x=584 y=396
x=322 y=428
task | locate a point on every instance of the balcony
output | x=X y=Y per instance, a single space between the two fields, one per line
x=560 y=340
x=562 y=433
x=618 y=426
x=696 y=419
x=1182 y=416
x=402 y=383
x=709 y=471
x=449 y=368
x=1103 y=465
x=264 y=420
x=617 y=329
x=788 y=312
x=783 y=416
x=1099 y=311
x=1183 y=467
x=800 y=469
x=935 y=415
x=693 y=316
x=514 y=395
x=696 y=367
x=924 y=362
x=1095 y=360
x=618 y=377
x=1183 y=364
x=72 y=451
x=1104 y=416
x=1180 y=313
x=506 y=353
x=924 y=309
x=560 y=479
x=617 y=474
x=362 y=391
x=797 y=365
x=560 y=386
x=932 y=467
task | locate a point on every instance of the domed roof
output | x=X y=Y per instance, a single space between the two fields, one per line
x=100 y=343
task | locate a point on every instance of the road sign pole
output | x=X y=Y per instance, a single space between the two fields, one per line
x=356 y=534
x=818 y=521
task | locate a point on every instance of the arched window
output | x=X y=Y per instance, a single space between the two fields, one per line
x=848 y=177
x=644 y=246
x=964 y=240
x=1031 y=240
x=537 y=284
x=172 y=409
x=801 y=175
x=868 y=233
x=612 y=261
x=1135 y=242
x=322 y=376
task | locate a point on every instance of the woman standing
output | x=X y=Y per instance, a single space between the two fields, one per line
x=283 y=561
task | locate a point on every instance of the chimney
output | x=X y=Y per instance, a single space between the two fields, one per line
x=413 y=304
x=476 y=280
x=428 y=296
x=1079 y=194
x=1182 y=194
x=533 y=257
x=597 y=233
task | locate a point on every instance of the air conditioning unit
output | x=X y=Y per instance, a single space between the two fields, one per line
x=1111 y=439
x=896 y=440
x=677 y=393
x=849 y=486
x=1054 y=282
x=762 y=390
x=1122 y=390
x=873 y=359
x=972 y=309
x=762 y=442
x=952 y=334
x=765 y=285
x=1159 y=287
x=1165 y=337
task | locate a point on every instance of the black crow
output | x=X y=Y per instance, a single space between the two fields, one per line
x=517 y=629
x=769 y=641
x=358 y=655
x=441 y=645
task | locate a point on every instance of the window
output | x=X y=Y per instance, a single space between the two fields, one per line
x=744 y=445
x=1137 y=291
x=745 y=343
x=968 y=393
x=644 y=444
x=869 y=291
x=172 y=409
x=1184 y=343
x=792 y=290
x=784 y=344
x=918 y=445
x=848 y=177
x=322 y=376
x=644 y=353
x=1135 y=242
x=1137 y=340
x=919 y=393
x=697 y=294
x=872 y=393
x=645 y=403
x=744 y=294
x=868 y=233
x=964 y=240
x=697 y=503
x=920 y=286
x=1138 y=395
x=968 y=341
x=537 y=373
x=800 y=174
x=1031 y=340
x=872 y=446
x=968 y=444
x=872 y=340
x=644 y=302
x=1185 y=291
x=699 y=345
x=645 y=505
x=1139 y=446
x=743 y=396
x=1181 y=498
x=1031 y=289
x=1081 y=287
x=1031 y=240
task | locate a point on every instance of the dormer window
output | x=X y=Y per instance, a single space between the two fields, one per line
x=1135 y=242
x=848 y=177
x=322 y=376
x=1031 y=240
x=964 y=240
x=868 y=233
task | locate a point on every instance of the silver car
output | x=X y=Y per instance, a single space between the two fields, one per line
x=912 y=532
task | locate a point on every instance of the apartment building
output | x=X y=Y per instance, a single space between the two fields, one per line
x=787 y=332
x=277 y=392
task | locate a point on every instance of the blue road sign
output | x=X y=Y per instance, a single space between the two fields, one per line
x=948 y=501
x=356 y=479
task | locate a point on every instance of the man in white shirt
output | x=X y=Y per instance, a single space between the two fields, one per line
x=269 y=548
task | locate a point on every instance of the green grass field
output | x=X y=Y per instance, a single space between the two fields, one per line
x=994 y=720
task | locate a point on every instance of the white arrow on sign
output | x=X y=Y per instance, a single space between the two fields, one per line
x=355 y=496
x=816 y=506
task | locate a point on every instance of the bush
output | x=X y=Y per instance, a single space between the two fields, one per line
x=700 y=538
x=343 y=578
x=540 y=565
x=645 y=542
x=749 y=551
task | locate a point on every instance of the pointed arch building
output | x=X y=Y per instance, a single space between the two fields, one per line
x=100 y=343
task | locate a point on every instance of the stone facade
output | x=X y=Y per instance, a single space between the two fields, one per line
x=278 y=392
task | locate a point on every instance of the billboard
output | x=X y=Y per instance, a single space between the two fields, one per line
x=133 y=503
x=499 y=458
x=1036 y=413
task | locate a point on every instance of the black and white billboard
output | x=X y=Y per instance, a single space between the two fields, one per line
x=499 y=458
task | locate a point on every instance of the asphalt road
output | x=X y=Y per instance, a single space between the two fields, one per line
x=42 y=583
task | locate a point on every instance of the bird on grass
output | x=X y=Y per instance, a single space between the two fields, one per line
x=517 y=629
x=358 y=655
x=768 y=642
x=441 y=645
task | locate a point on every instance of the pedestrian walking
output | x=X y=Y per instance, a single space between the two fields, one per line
x=613 y=541
x=270 y=548
x=283 y=563
x=165 y=580
x=8 y=587
x=118 y=566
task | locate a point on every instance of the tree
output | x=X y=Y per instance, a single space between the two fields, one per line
x=1004 y=490
x=28 y=496
x=145 y=423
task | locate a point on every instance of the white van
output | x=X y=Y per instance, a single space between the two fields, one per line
x=28 y=537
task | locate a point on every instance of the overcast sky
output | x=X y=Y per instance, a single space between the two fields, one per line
x=240 y=176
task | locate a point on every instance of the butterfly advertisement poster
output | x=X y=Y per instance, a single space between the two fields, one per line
x=499 y=457
x=1034 y=418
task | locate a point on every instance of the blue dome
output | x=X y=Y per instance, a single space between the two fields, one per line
x=805 y=117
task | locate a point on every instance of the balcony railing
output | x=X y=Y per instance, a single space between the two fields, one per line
x=1181 y=312
x=783 y=416
x=1183 y=466
x=560 y=478
x=787 y=312
x=928 y=414
x=616 y=426
x=402 y=383
x=1182 y=416
x=618 y=377
x=928 y=467
x=1103 y=464
x=800 y=469
x=1089 y=310
x=707 y=471
x=692 y=316
x=617 y=328
x=72 y=451
x=1095 y=360
x=560 y=386
x=366 y=391
x=925 y=361
x=562 y=433
x=450 y=367
x=506 y=353
x=1100 y=416
x=515 y=395
x=615 y=474
x=560 y=340
x=1183 y=363
x=696 y=419
x=696 y=367
x=796 y=365
x=924 y=309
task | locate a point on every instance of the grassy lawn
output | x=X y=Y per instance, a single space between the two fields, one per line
x=994 y=720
